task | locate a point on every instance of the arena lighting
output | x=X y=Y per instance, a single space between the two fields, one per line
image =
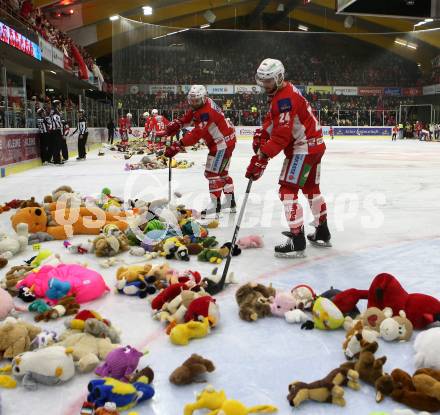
x=421 y=23
x=171 y=33
x=400 y=42
x=71 y=11
x=206 y=60
x=53 y=72
x=113 y=18
x=303 y=28
x=205 y=26
x=148 y=10
x=411 y=45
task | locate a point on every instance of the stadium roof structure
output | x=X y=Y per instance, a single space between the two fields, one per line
x=89 y=23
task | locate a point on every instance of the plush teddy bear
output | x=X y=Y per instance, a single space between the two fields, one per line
x=49 y=366
x=110 y=245
x=84 y=221
x=16 y=337
x=3 y=262
x=133 y=272
x=328 y=389
x=191 y=370
x=14 y=276
x=11 y=245
x=254 y=301
x=420 y=391
x=88 y=350
x=369 y=368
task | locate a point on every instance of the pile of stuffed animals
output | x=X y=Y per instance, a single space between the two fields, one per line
x=184 y=302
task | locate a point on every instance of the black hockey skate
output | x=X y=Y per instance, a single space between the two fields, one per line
x=214 y=209
x=321 y=237
x=229 y=203
x=294 y=247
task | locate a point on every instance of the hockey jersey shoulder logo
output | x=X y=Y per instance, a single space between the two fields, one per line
x=284 y=105
x=204 y=116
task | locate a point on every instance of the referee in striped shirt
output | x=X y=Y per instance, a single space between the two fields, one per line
x=44 y=136
x=57 y=132
x=83 y=133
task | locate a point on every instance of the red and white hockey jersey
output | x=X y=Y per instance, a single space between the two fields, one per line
x=209 y=124
x=158 y=123
x=124 y=125
x=291 y=125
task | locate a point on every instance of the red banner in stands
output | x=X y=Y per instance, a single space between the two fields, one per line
x=412 y=92
x=18 y=146
x=68 y=64
x=370 y=90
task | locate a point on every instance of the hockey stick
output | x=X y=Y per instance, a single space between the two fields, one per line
x=170 y=161
x=216 y=288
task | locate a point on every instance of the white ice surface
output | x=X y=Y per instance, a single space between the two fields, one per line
x=391 y=225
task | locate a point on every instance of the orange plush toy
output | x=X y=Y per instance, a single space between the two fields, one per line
x=64 y=223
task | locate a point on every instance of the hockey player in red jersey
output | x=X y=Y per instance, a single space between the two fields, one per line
x=147 y=118
x=209 y=124
x=125 y=128
x=158 y=124
x=290 y=126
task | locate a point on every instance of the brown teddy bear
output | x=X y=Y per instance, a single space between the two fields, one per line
x=16 y=337
x=191 y=369
x=420 y=391
x=145 y=372
x=14 y=276
x=369 y=368
x=3 y=262
x=110 y=245
x=253 y=301
x=57 y=224
x=328 y=389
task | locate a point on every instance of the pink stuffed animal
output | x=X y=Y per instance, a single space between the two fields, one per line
x=251 y=241
x=85 y=284
x=282 y=303
x=7 y=306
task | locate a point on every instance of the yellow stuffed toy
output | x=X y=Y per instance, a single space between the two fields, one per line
x=326 y=315
x=181 y=334
x=218 y=404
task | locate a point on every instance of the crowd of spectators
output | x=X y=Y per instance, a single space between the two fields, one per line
x=230 y=57
x=35 y=19
x=246 y=109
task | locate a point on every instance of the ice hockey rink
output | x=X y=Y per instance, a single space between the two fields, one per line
x=383 y=201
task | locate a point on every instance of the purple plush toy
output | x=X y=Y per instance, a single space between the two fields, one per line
x=120 y=363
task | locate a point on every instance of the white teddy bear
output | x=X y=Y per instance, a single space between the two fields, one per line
x=427 y=347
x=12 y=245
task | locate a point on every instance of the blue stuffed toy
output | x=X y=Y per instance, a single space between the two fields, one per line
x=57 y=289
x=124 y=395
x=136 y=288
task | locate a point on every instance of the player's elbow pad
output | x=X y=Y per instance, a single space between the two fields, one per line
x=279 y=140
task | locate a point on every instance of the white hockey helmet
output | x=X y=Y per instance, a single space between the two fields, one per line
x=270 y=75
x=146 y=114
x=129 y=115
x=154 y=112
x=197 y=96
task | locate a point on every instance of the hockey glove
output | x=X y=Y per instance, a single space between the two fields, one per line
x=260 y=138
x=173 y=128
x=173 y=149
x=256 y=167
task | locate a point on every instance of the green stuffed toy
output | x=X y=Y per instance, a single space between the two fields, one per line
x=154 y=224
x=214 y=256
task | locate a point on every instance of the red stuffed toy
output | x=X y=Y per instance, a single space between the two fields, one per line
x=203 y=307
x=386 y=291
x=167 y=294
